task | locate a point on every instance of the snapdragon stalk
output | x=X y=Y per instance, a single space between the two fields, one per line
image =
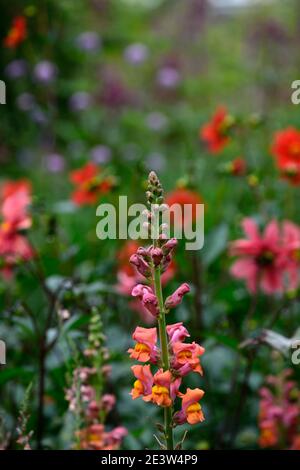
x=157 y=198
x=168 y=411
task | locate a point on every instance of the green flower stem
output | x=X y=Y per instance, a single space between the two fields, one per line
x=168 y=411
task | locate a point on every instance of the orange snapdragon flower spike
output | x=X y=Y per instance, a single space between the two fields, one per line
x=90 y=184
x=172 y=358
x=17 y=33
x=286 y=150
x=214 y=133
x=191 y=411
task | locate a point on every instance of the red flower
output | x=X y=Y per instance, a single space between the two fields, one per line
x=17 y=32
x=214 y=133
x=9 y=188
x=267 y=260
x=286 y=150
x=90 y=184
x=238 y=166
x=183 y=197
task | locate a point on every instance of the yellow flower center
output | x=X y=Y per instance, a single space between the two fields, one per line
x=140 y=347
x=6 y=226
x=295 y=149
x=194 y=408
x=138 y=386
x=160 y=390
x=185 y=355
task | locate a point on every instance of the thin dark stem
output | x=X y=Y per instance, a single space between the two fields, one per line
x=197 y=281
x=41 y=393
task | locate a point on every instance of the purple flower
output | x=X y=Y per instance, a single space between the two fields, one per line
x=101 y=154
x=156 y=121
x=16 y=69
x=136 y=53
x=55 y=163
x=168 y=77
x=156 y=161
x=45 y=72
x=38 y=116
x=88 y=41
x=80 y=100
x=25 y=101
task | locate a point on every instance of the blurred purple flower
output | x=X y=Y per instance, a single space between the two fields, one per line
x=80 y=100
x=136 y=53
x=16 y=69
x=168 y=77
x=156 y=121
x=25 y=101
x=156 y=161
x=38 y=116
x=101 y=154
x=88 y=41
x=55 y=163
x=45 y=72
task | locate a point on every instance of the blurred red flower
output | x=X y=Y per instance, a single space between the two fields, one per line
x=90 y=184
x=9 y=188
x=238 y=166
x=182 y=197
x=214 y=133
x=286 y=150
x=17 y=32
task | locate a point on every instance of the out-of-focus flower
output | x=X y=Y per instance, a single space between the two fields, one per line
x=14 y=247
x=136 y=53
x=156 y=160
x=238 y=166
x=215 y=132
x=16 y=69
x=156 y=121
x=168 y=77
x=265 y=259
x=17 y=33
x=279 y=412
x=191 y=411
x=286 y=150
x=55 y=163
x=94 y=437
x=184 y=198
x=101 y=154
x=45 y=72
x=80 y=101
x=88 y=41
x=25 y=101
x=90 y=183
x=9 y=188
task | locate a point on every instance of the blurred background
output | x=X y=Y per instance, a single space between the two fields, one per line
x=128 y=85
